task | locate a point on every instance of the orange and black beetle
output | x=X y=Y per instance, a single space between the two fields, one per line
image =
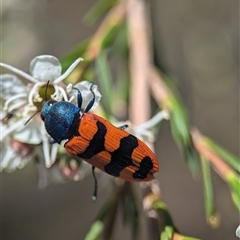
x=98 y=142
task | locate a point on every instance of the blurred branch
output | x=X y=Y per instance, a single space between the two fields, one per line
x=139 y=61
x=222 y=168
x=229 y=158
x=146 y=79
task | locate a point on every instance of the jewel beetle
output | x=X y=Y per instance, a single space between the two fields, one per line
x=97 y=141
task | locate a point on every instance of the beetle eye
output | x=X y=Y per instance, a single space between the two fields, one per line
x=50 y=103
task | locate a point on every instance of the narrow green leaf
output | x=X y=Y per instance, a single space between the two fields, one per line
x=95 y=230
x=179 y=118
x=213 y=218
x=98 y=10
x=120 y=47
x=181 y=237
x=169 y=234
x=110 y=36
x=234 y=185
x=181 y=134
x=129 y=209
x=164 y=236
x=108 y=214
x=192 y=157
x=108 y=207
x=180 y=126
x=119 y=55
x=122 y=84
x=105 y=81
x=163 y=213
x=169 y=230
x=207 y=187
x=229 y=158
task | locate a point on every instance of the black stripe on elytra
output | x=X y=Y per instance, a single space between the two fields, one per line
x=122 y=157
x=96 y=144
x=145 y=167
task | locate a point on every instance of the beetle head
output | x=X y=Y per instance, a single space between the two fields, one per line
x=60 y=118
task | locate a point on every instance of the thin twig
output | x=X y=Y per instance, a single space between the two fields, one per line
x=140 y=60
x=222 y=168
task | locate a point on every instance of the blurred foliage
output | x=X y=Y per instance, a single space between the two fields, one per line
x=109 y=46
x=107 y=60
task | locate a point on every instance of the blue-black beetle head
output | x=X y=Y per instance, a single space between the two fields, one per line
x=60 y=118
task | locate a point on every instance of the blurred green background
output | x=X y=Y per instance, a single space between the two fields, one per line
x=197 y=43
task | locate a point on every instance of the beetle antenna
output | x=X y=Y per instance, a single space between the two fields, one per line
x=32 y=117
x=45 y=93
x=94 y=197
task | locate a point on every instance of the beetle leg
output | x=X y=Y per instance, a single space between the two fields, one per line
x=123 y=127
x=94 y=197
x=90 y=104
x=79 y=97
x=52 y=141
